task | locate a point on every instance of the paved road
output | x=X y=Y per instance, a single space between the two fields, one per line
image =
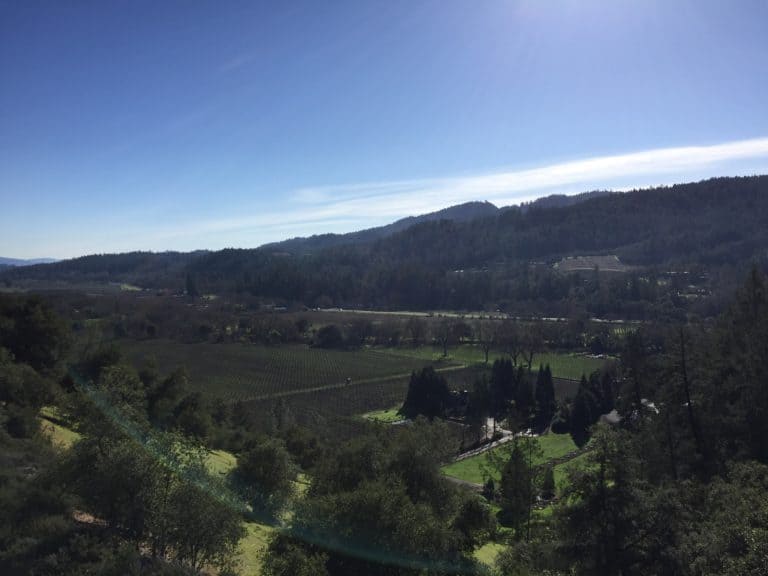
x=467 y=315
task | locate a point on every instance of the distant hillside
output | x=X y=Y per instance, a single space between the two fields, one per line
x=476 y=256
x=146 y=269
x=507 y=260
x=459 y=213
x=21 y=262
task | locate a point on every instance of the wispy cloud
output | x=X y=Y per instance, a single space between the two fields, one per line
x=353 y=206
x=521 y=185
x=237 y=61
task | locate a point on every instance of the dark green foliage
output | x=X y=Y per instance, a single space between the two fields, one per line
x=22 y=392
x=489 y=490
x=502 y=388
x=163 y=396
x=379 y=505
x=31 y=331
x=191 y=285
x=286 y=557
x=428 y=395
x=360 y=329
x=155 y=495
x=678 y=486
x=732 y=524
x=548 y=483
x=303 y=446
x=479 y=406
x=329 y=336
x=518 y=484
x=415 y=269
x=203 y=530
x=593 y=399
x=713 y=226
x=545 y=398
x=475 y=522
x=92 y=363
x=737 y=390
x=511 y=393
x=265 y=475
x=584 y=413
x=192 y=416
x=132 y=490
x=164 y=269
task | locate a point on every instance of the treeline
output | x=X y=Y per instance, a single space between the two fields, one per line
x=133 y=494
x=378 y=505
x=677 y=484
x=713 y=230
x=486 y=262
x=513 y=395
x=146 y=269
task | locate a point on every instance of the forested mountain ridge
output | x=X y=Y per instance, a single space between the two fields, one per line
x=305 y=245
x=148 y=269
x=459 y=213
x=506 y=260
x=503 y=260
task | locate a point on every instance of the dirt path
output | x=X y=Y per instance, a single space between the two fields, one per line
x=338 y=385
x=465 y=483
x=485 y=447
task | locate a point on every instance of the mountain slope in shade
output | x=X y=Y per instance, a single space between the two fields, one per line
x=459 y=213
x=710 y=225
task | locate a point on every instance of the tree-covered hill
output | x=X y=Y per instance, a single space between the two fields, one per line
x=704 y=228
x=707 y=232
x=146 y=269
x=459 y=213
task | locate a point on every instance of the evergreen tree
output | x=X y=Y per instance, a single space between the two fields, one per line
x=583 y=413
x=548 y=483
x=428 y=395
x=517 y=485
x=545 y=398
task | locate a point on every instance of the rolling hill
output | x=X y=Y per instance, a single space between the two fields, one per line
x=475 y=255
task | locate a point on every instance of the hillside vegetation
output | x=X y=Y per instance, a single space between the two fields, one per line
x=703 y=232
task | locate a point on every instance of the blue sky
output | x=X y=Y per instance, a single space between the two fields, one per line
x=183 y=125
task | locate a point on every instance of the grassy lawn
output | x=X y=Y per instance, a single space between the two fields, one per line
x=563 y=365
x=61 y=437
x=561 y=471
x=473 y=469
x=487 y=552
x=253 y=546
x=543 y=513
x=385 y=416
x=219 y=462
x=51 y=425
x=570 y=366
